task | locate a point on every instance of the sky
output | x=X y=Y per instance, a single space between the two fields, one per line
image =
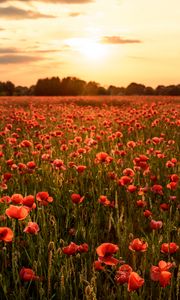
x=108 y=41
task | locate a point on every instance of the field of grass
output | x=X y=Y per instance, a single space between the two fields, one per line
x=89 y=198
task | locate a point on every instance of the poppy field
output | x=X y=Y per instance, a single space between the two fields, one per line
x=89 y=198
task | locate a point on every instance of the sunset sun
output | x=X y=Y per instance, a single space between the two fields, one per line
x=89 y=48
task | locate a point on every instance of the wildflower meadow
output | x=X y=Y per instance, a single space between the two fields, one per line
x=89 y=198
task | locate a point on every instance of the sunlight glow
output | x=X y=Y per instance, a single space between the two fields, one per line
x=90 y=48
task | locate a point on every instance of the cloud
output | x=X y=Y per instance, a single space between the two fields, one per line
x=66 y=1
x=47 y=51
x=55 y=1
x=12 y=50
x=74 y=14
x=118 y=40
x=42 y=51
x=8 y=50
x=17 y=59
x=12 y=12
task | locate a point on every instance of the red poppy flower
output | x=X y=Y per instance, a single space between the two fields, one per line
x=164 y=206
x=45 y=156
x=31 y=165
x=122 y=153
x=64 y=147
x=103 y=157
x=123 y=273
x=174 y=177
x=141 y=203
x=98 y=265
x=170 y=164
x=143 y=157
x=128 y=172
x=153 y=178
x=105 y=252
x=14 y=167
x=44 y=198
x=156 y=224
x=5 y=199
x=17 y=198
x=134 y=282
x=22 y=166
x=7 y=176
x=27 y=274
x=76 y=198
x=124 y=180
x=29 y=201
x=143 y=190
x=174 y=160
x=59 y=164
x=118 y=134
x=131 y=188
x=10 y=162
x=131 y=144
x=173 y=198
x=157 y=189
x=83 y=248
x=17 y=212
x=155 y=271
x=26 y=144
x=71 y=249
x=78 y=139
x=32 y=228
x=164 y=278
x=112 y=175
x=140 y=162
x=138 y=245
x=156 y=140
x=104 y=200
x=169 y=248
x=81 y=169
x=6 y=234
x=147 y=213
x=172 y=185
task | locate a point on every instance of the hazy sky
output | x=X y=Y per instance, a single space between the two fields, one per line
x=108 y=41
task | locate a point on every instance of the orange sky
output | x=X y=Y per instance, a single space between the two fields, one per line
x=108 y=41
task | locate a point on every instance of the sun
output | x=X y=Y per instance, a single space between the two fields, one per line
x=89 y=48
x=93 y=50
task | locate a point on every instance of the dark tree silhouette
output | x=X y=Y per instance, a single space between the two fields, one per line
x=149 y=91
x=21 y=90
x=135 y=89
x=7 y=88
x=72 y=86
x=114 y=90
x=91 y=88
x=48 y=87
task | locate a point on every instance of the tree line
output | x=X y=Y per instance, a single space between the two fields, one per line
x=72 y=86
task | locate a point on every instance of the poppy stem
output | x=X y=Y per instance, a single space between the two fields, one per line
x=160 y=293
x=178 y=282
x=134 y=260
x=14 y=258
x=152 y=240
x=169 y=231
x=50 y=256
